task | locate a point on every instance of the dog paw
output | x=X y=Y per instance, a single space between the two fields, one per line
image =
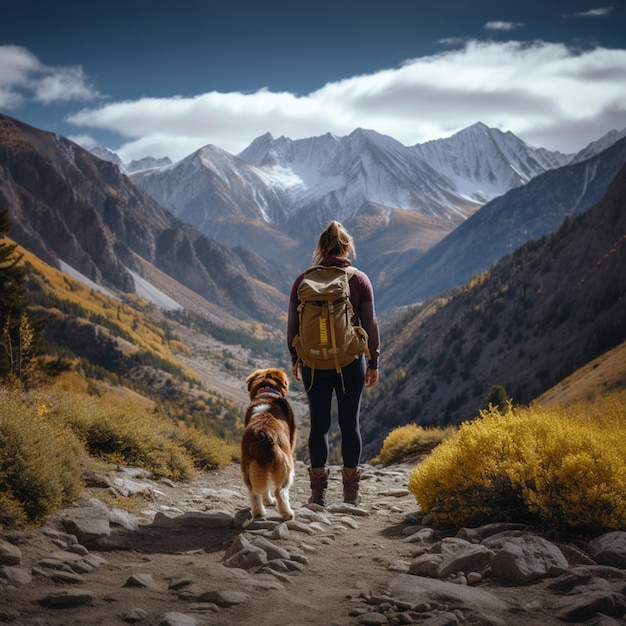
x=287 y=514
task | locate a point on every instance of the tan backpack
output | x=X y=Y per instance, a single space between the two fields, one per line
x=328 y=338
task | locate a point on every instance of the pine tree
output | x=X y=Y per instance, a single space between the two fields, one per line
x=14 y=325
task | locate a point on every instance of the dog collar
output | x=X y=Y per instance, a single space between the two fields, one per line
x=268 y=390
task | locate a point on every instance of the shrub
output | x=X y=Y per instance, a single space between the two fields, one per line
x=48 y=437
x=39 y=463
x=124 y=432
x=208 y=452
x=408 y=440
x=561 y=467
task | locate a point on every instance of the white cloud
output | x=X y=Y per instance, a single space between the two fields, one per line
x=547 y=94
x=24 y=78
x=503 y=26
x=601 y=12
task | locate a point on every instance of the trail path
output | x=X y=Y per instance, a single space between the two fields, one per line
x=343 y=566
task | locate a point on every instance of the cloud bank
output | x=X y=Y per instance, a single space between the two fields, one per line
x=548 y=94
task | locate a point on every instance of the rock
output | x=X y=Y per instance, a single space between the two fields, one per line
x=120 y=517
x=110 y=543
x=585 y=605
x=141 y=580
x=527 y=558
x=474 y=557
x=420 y=590
x=161 y=520
x=426 y=565
x=271 y=550
x=177 y=619
x=280 y=532
x=247 y=558
x=94 y=560
x=127 y=488
x=242 y=518
x=347 y=509
x=135 y=616
x=609 y=549
x=394 y=493
x=67 y=578
x=87 y=523
x=224 y=598
x=205 y=520
x=9 y=554
x=15 y=576
x=373 y=619
x=68 y=599
x=476 y=535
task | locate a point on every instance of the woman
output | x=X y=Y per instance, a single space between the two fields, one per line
x=334 y=247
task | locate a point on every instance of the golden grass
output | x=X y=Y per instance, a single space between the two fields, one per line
x=50 y=436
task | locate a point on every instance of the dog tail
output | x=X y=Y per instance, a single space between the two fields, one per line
x=261 y=444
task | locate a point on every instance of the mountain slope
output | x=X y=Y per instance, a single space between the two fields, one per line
x=535 y=317
x=68 y=205
x=503 y=225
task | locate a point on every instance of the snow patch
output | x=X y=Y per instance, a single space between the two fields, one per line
x=149 y=292
x=76 y=275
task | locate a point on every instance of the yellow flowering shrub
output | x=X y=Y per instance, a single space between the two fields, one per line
x=410 y=439
x=562 y=467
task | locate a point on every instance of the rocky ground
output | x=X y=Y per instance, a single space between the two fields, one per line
x=190 y=555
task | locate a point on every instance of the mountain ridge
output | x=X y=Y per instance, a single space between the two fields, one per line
x=67 y=204
x=530 y=321
x=297 y=186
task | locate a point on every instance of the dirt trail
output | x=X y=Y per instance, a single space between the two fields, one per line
x=347 y=565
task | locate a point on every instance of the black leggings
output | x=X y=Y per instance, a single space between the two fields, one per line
x=325 y=382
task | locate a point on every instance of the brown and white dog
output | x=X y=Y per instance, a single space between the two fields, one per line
x=268 y=442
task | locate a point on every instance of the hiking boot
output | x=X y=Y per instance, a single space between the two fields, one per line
x=351 y=478
x=319 y=484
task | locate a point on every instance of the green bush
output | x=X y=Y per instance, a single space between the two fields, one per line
x=560 y=467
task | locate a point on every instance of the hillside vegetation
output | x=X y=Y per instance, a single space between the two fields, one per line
x=124 y=344
x=52 y=438
x=530 y=321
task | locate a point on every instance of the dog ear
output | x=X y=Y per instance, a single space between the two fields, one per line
x=281 y=380
x=253 y=379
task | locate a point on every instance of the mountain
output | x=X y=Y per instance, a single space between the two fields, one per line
x=134 y=166
x=531 y=320
x=503 y=225
x=485 y=163
x=278 y=194
x=68 y=206
x=600 y=145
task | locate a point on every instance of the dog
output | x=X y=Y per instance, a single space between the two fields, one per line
x=268 y=443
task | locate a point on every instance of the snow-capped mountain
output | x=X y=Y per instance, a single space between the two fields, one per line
x=484 y=162
x=294 y=187
x=600 y=145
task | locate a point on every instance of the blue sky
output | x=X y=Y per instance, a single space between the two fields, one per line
x=166 y=78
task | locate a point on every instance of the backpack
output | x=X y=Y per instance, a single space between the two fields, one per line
x=328 y=338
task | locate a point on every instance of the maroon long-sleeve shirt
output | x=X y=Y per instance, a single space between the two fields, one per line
x=362 y=298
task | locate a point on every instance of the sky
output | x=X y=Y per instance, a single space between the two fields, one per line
x=154 y=78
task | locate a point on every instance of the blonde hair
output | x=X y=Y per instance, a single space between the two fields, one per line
x=334 y=241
